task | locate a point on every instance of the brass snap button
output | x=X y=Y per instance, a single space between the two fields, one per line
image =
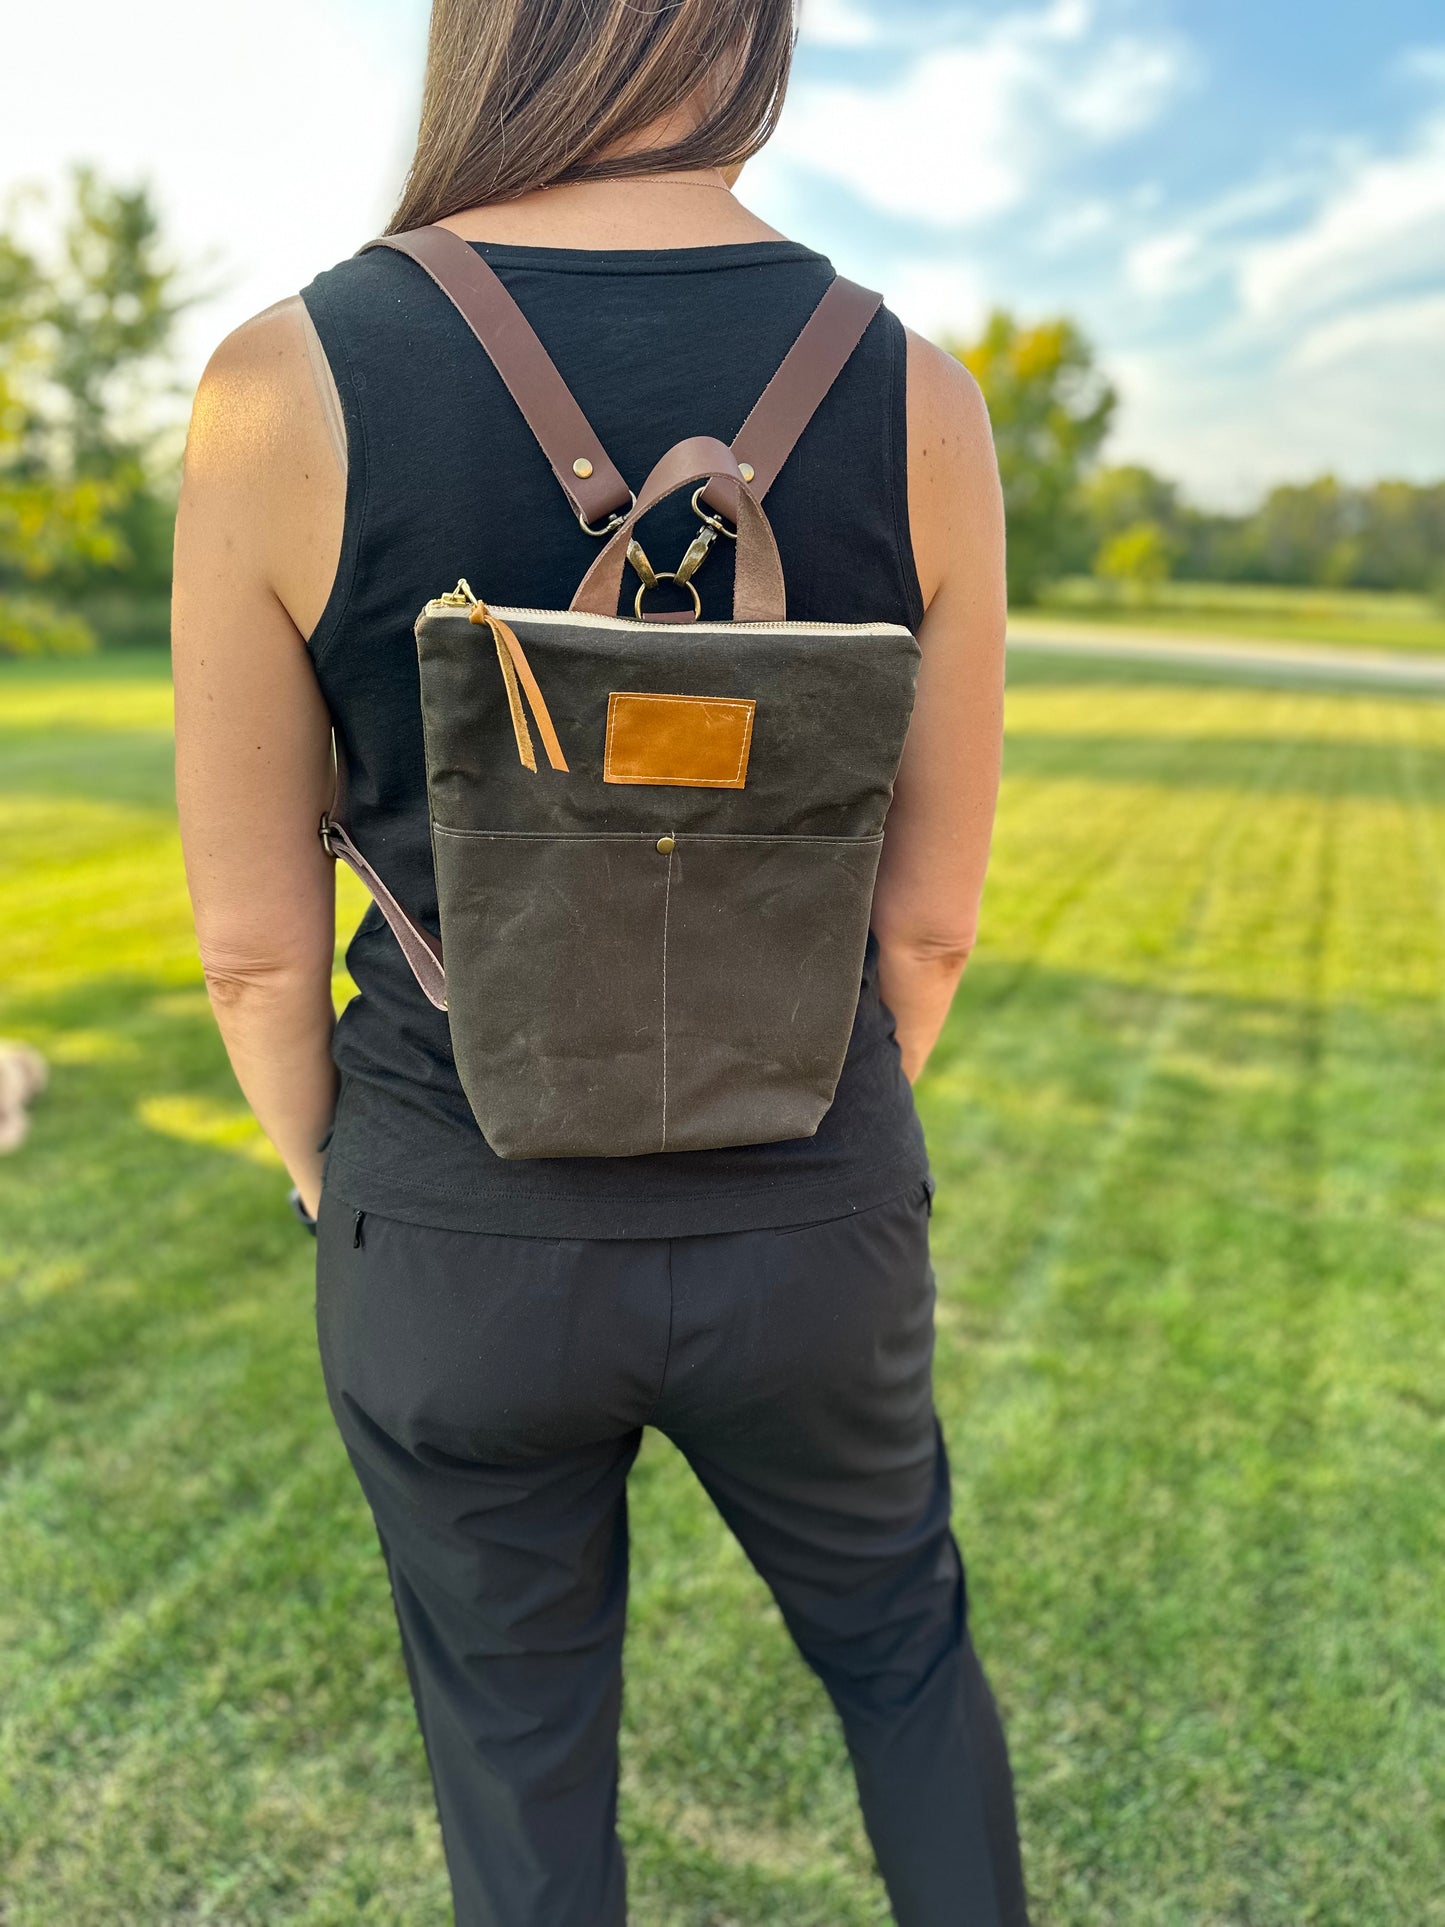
x=667 y=844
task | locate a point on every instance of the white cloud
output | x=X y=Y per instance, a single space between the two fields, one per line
x=837 y=23
x=1122 y=90
x=1189 y=253
x=968 y=130
x=1386 y=328
x=1328 y=347
x=1372 y=220
x=937 y=298
x=1363 y=396
x=1384 y=221
x=1168 y=264
x=1424 y=63
x=1074 y=224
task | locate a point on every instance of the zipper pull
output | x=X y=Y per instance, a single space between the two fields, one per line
x=357 y=1241
x=461 y=597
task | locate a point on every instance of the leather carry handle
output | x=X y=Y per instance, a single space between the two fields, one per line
x=765 y=440
x=589 y=478
x=758 y=594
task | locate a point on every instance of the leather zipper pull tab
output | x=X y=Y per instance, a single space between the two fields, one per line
x=517 y=677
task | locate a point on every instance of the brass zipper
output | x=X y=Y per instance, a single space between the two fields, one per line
x=463 y=597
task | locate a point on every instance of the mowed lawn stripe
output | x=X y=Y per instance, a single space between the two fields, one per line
x=1183 y=1427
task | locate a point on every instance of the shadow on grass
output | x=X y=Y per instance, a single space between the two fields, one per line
x=129 y=766
x=113 y=1229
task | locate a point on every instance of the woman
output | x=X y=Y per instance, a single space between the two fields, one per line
x=495 y=1333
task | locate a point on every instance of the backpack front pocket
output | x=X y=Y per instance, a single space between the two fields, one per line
x=615 y=994
x=555 y=987
x=764 y=940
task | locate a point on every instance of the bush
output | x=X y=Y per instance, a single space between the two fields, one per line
x=1135 y=561
x=32 y=627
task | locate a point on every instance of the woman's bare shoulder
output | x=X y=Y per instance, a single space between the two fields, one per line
x=258 y=400
x=265 y=456
x=952 y=469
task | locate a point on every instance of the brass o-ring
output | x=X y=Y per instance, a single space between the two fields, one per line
x=667 y=575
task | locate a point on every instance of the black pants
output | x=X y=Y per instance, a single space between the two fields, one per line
x=492 y=1391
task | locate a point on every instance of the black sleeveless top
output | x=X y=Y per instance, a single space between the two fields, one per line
x=445 y=480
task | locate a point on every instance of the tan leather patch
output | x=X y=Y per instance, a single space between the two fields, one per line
x=700 y=742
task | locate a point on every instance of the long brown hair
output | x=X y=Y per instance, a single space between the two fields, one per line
x=521 y=94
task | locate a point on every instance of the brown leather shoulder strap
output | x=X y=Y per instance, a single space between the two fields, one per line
x=421 y=949
x=805 y=374
x=567 y=438
x=765 y=440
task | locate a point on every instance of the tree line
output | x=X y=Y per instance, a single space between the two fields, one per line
x=1070 y=514
x=88 y=478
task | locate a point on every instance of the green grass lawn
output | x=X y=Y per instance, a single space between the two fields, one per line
x=1187 y=1121
x=1353 y=618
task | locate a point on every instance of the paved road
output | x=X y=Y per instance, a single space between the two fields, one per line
x=1377 y=668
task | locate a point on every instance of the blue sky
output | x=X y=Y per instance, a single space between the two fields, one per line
x=1243 y=204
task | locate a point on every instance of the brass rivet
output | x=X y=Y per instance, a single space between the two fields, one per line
x=746 y=470
x=667 y=844
x=582 y=467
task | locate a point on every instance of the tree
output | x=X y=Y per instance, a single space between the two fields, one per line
x=1304 y=532
x=1136 y=560
x=1115 y=499
x=85 y=339
x=47 y=511
x=1051 y=409
x=1402 y=537
x=113 y=310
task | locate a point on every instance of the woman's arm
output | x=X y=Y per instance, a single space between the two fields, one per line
x=935 y=849
x=257 y=537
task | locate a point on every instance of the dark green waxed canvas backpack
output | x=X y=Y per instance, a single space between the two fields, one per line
x=654 y=933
